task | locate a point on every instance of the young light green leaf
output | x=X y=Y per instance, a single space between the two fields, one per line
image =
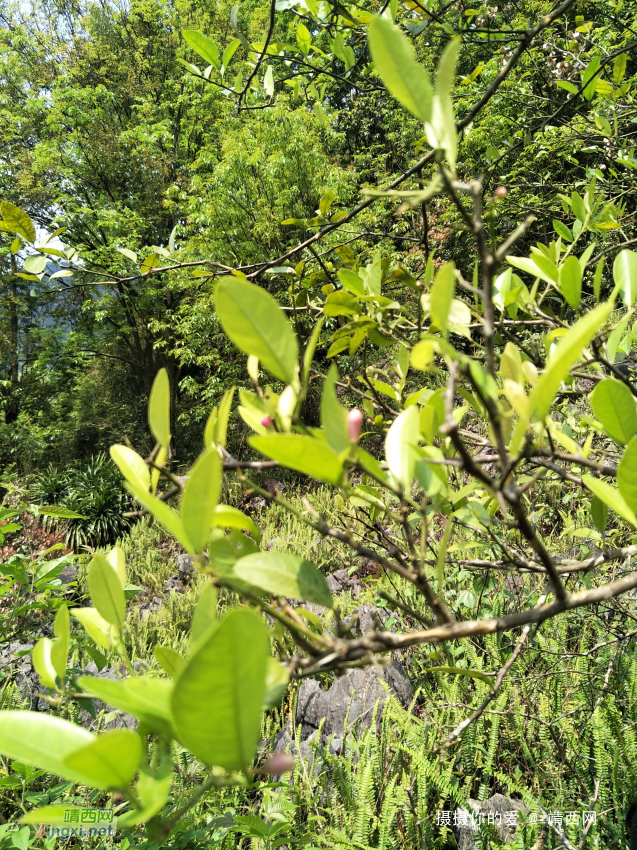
x=627 y=474
x=152 y=788
x=110 y=761
x=571 y=281
x=43 y=741
x=303 y=39
x=268 y=81
x=614 y=406
x=276 y=683
x=17 y=221
x=255 y=323
x=169 y=660
x=397 y=67
x=304 y=454
x=625 y=275
x=205 y=617
x=223 y=415
x=146 y=698
x=401 y=446
x=106 y=591
x=590 y=72
x=442 y=293
x=200 y=498
x=131 y=465
x=333 y=414
x=35 y=264
x=60 y=649
x=225 y=516
x=202 y=45
x=611 y=497
x=285 y=575
x=564 y=356
x=42 y=663
x=229 y=52
x=159 y=408
x=95 y=625
x=165 y=514
x=441 y=131
x=218 y=696
x=117 y=560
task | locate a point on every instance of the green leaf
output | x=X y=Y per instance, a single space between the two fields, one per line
x=53 y=815
x=397 y=67
x=165 y=514
x=169 y=660
x=152 y=788
x=268 y=81
x=571 y=281
x=256 y=324
x=303 y=39
x=131 y=465
x=225 y=516
x=205 y=617
x=565 y=355
x=351 y=281
x=627 y=474
x=95 y=625
x=17 y=221
x=42 y=662
x=200 y=498
x=131 y=255
x=625 y=275
x=442 y=293
x=304 y=454
x=276 y=683
x=589 y=72
x=614 y=406
x=401 y=446
x=159 y=408
x=60 y=649
x=117 y=560
x=223 y=415
x=461 y=671
x=35 y=264
x=619 y=68
x=333 y=414
x=110 y=761
x=562 y=230
x=285 y=575
x=106 y=591
x=43 y=741
x=341 y=303
x=441 y=132
x=611 y=497
x=599 y=512
x=218 y=696
x=229 y=52
x=597 y=279
x=202 y=45
x=146 y=698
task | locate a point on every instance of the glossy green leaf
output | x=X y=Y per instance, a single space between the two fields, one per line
x=599 y=512
x=218 y=696
x=60 y=649
x=200 y=498
x=95 y=625
x=442 y=293
x=110 y=761
x=35 y=264
x=117 y=560
x=17 y=221
x=341 y=303
x=43 y=741
x=333 y=414
x=225 y=516
x=401 y=444
x=304 y=454
x=590 y=72
x=284 y=574
x=442 y=129
x=42 y=662
x=627 y=474
x=205 y=616
x=276 y=683
x=223 y=415
x=565 y=355
x=152 y=789
x=53 y=815
x=169 y=660
x=166 y=515
x=625 y=275
x=352 y=282
x=611 y=497
x=397 y=67
x=202 y=45
x=131 y=465
x=614 y=406
x=303 y=39
x=146 y=698
x=159 y=408
x=256 y=324
x=107 y=593
x=571 y=281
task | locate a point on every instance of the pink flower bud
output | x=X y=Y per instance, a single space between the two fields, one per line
x=277 y=764
x=501 y=192
x=354 y=425
x=369 y=420
x=266 y=422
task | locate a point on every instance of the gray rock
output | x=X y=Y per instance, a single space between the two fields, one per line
x=175 y=584
x=352 y=698
x=20 y=671
x=340 y=581
x=493 y=811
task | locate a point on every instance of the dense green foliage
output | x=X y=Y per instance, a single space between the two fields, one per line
x=422 y=210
